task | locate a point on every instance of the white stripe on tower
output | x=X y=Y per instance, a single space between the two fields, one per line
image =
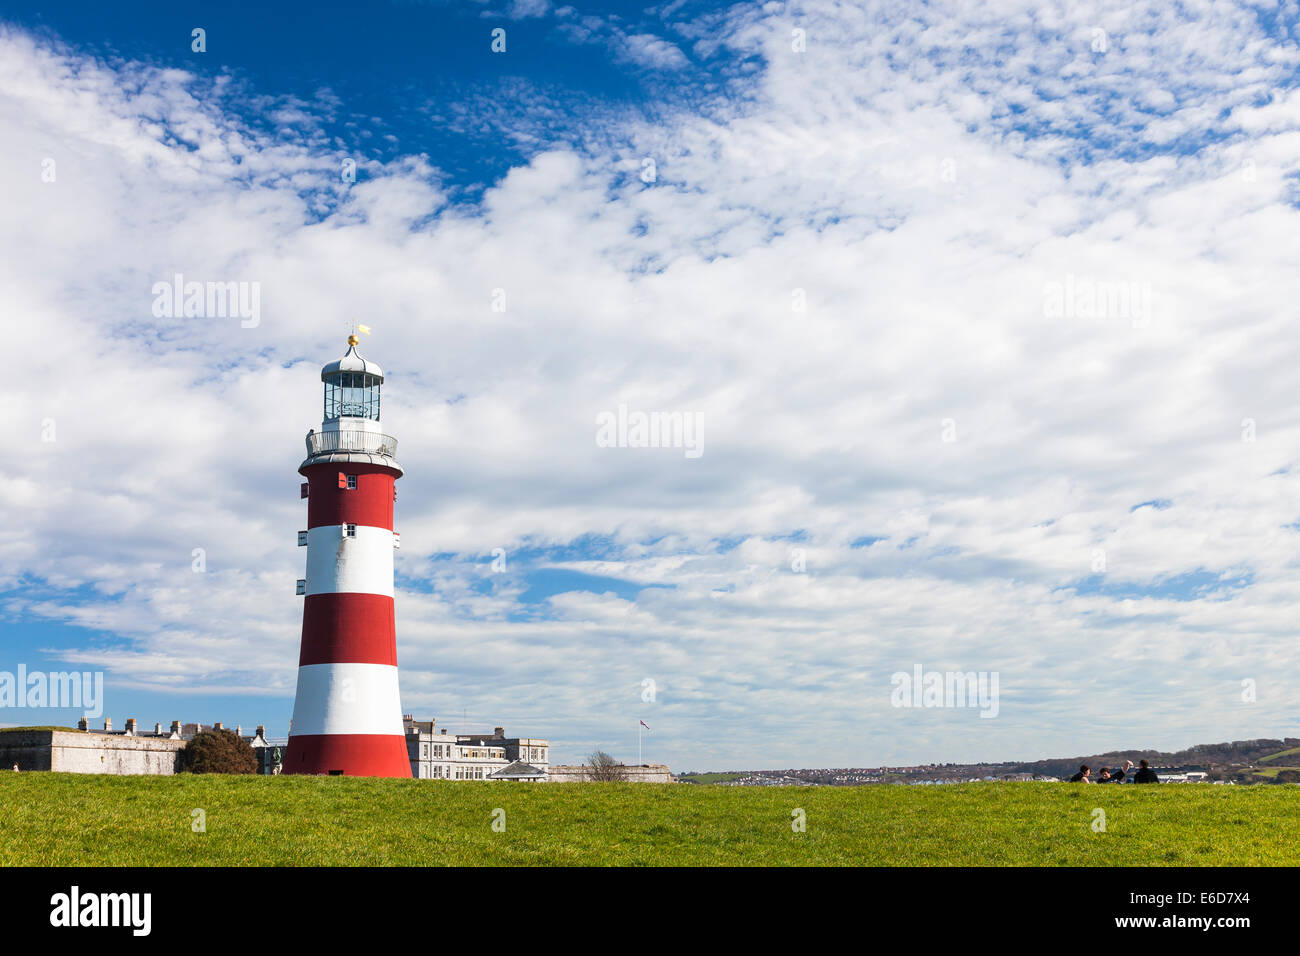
x=338 y=564
x=347 y=699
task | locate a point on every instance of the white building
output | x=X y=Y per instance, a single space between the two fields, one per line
x=439 y=755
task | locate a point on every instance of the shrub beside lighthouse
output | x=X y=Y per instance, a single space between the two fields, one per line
x=347 y=716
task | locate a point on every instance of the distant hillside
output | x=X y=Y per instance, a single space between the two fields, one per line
x=1224 y=758
x=1265 y=760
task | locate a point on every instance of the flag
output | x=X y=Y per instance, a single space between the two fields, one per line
x=645 y=725
x=363 y=329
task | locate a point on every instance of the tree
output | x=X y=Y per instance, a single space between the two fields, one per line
x=603 y=768
x=218 y=751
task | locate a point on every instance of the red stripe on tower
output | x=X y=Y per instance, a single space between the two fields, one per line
x=348 y=628
x=347 y=713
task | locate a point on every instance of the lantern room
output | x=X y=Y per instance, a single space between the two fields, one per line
x=352 y=386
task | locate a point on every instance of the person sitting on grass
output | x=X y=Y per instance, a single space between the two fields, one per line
x=1145 y=774
x=1119 y=773
x=1083 y=776
x=1104 y=776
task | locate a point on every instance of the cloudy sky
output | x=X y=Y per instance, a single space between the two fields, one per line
x=985 y=314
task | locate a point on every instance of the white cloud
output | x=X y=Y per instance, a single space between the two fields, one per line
x=528 y=9
x=885 y=174
x=652 y=51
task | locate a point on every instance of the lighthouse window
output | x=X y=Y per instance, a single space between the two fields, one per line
x=352 y=395
x=352 y=531
x=352 y=482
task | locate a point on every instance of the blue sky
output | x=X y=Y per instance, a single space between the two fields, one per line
x=386 y=80
x=830 y=235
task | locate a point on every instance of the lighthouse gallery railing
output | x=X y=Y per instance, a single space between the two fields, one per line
x=369 y=443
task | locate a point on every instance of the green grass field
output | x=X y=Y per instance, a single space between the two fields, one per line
x=70 y=819
x=1271 y=771
x=1280 y=754
x=712 y=777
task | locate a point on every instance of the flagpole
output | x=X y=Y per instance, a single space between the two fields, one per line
x=638 y=743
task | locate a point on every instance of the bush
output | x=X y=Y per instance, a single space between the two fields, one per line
x=603 y=768
x=218 y=751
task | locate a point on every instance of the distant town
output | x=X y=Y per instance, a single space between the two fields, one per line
x=1241 y=762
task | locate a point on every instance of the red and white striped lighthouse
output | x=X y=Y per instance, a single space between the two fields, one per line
x=347 y=717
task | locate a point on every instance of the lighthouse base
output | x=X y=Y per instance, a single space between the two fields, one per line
x=351 y=755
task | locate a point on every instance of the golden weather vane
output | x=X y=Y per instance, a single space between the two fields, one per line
x=353 y=340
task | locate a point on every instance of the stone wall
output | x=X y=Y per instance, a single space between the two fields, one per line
x=645 y=773
x=29 y=749
x=77 y=751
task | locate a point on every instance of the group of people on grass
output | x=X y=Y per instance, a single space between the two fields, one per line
x=1144 y=774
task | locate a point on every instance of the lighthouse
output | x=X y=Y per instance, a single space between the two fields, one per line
x=347 y=717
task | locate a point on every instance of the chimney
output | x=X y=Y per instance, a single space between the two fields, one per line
x=108 y=724
x=157 y=730
x=239 y=730
x=176 y=730
x=261 y=731
x=83 y=723
x=218 y=726
x=130 y=727
x=498 y=731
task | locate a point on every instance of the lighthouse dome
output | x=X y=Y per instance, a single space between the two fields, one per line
x=352 y=362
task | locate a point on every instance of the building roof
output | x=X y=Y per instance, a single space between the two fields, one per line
x=517 y=770
x=352 y=362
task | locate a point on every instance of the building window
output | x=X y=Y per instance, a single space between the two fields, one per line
x=352 y=482
x=352 y=531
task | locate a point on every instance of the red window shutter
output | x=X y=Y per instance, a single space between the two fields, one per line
x=343 y=480
x=304 y=488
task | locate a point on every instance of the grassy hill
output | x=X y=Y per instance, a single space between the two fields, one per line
x=1227 y=760
x=1293 y=752
x=716 y=777
x=69 y=819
